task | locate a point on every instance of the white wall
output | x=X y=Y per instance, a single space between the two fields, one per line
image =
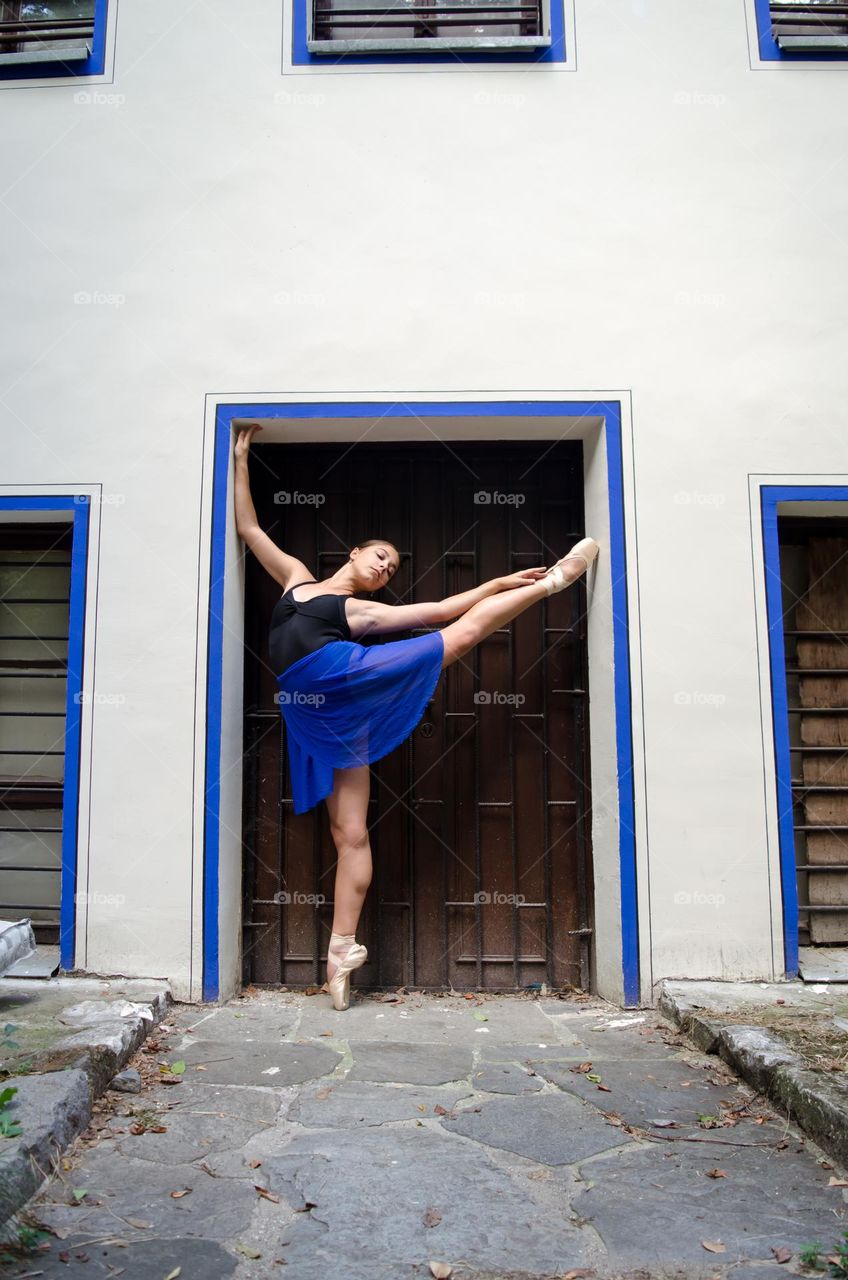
x=664 y=220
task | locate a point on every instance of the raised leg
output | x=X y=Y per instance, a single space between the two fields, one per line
x=347 y=806
x=490 y=614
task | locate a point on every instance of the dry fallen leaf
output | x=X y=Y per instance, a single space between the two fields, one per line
x=781 y=1253
x=716 y=1173
x=254 y=1164
x=267 y=1195
x=441 y=1270
x=172 y=1275
x=714 y=1246
x=837 y=1182
x=140 y=1223
x=432 y=1217
x=178 y=1195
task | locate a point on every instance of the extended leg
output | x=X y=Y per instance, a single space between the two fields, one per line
x=490 y=614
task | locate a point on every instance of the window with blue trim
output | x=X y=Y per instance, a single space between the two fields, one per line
x=399 y=31
x=802 y=30
x=49 y=38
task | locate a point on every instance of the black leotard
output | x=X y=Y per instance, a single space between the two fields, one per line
x=299 y=627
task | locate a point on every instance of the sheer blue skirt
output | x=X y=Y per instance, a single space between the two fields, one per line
x=349 y=704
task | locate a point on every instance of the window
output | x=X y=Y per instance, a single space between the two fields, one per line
x=802 y=30
x=387 y=35
x=357 y=26
x=60 y=38
x=35 y=574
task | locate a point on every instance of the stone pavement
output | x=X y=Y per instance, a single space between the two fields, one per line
x=509 y=1137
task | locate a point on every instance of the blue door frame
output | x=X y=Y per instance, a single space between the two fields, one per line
x=78 y=506
x=610 y=412
x=770 y=496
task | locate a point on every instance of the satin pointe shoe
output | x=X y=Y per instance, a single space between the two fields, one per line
x=586 y=550
x=346 y=961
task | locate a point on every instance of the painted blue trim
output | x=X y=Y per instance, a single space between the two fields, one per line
x=91 y=66
x=610 y=411
x=301 y=57
x=214 y=719
x=770 y=496
x=76 y=634
x=770 y=50
x=623 y=715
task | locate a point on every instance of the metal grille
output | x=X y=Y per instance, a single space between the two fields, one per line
x=814 y=570
x=487 y=797
x=810 y=26
x=34 y=617
x=361 y=25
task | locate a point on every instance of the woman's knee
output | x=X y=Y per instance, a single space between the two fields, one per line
x=350 y=834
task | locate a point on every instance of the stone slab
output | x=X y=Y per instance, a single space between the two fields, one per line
x=374 y=1225
x=256 y=1062
x=409 y=1063
x=349 y=1104
x=551 y=1129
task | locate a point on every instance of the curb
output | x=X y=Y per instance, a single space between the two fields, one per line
x=53 y=1103
x=817 y=1104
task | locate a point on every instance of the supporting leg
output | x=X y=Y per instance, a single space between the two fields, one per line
x=347 y=806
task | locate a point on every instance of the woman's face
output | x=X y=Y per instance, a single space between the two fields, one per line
x=376 y=565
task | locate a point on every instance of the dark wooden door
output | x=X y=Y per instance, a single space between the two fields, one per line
x=480 y=821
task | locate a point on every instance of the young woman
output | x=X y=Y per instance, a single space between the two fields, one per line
x=346 y=704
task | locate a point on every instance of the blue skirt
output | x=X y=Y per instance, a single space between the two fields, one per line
x=349 y=704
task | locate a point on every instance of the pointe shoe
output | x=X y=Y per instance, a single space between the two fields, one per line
x=355 y=956
x=586 y=550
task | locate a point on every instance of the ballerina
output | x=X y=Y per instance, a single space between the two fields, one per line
x=345 y=704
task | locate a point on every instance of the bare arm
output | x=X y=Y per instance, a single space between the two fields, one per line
x=374 y=618
x=283 y=568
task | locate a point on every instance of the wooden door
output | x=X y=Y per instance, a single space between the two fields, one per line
x=479 y=822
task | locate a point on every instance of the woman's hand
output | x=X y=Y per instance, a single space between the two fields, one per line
x=525 y=578
x=245 y=436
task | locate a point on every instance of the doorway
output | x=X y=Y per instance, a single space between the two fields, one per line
x=480 y=822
